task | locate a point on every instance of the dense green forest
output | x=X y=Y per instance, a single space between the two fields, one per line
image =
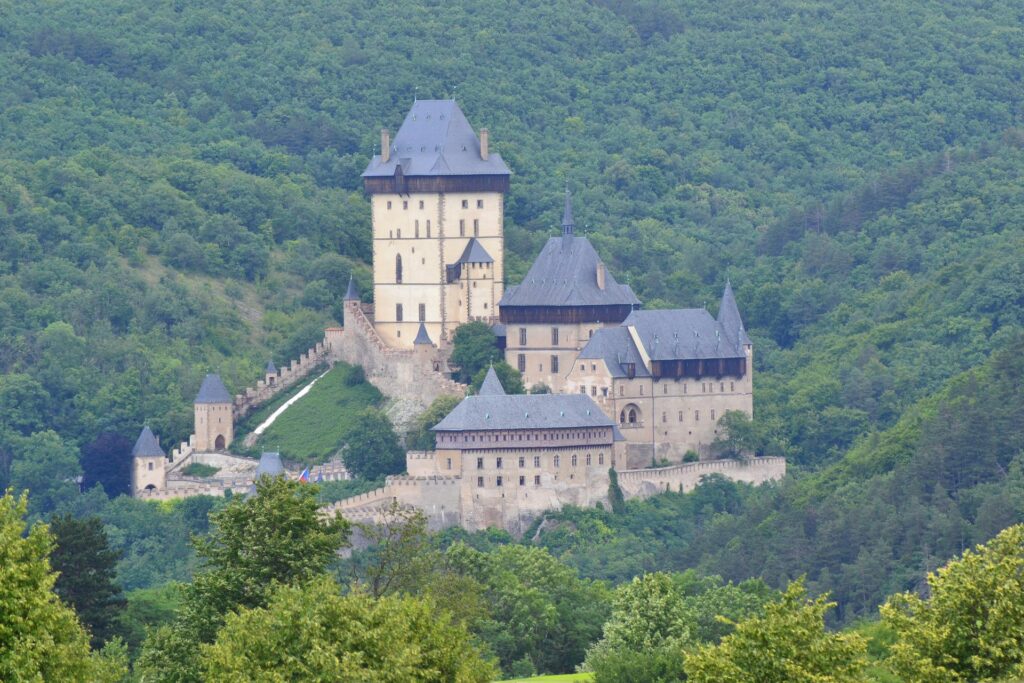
x=180 y=193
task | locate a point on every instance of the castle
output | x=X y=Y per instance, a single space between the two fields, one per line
x=629 y=387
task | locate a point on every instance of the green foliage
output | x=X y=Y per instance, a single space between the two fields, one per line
x=615 y=497
x=198 y=469
x=372 y=450
x=147 y=609
x=46 y=466
x=312 y=632
x=420 y=438
x=318 y=425
x=40 y=638
x=86 y=574
x=333 y=491
x=971 y=627
x=474 y=347
x=510 y=378
x=738 y=436
x=274 y=537
x=788 y=644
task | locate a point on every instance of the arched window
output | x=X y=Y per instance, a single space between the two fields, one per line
x=632 y=416
x=398 y=268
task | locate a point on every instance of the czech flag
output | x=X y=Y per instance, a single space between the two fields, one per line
x=304 y=477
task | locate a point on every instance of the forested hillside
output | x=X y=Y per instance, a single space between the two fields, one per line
x=180 y=193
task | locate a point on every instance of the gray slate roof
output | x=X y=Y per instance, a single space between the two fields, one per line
x=213 y=391
x=271 y=369
x=146 y=445
x=729 y=318
x=352 y=293
x=682 y=334
x=270 y=464
x=475 y=253
x=614 y=345
x=436 y=140
x=491 y=386
x=524 y=411
x=565 y=274
x=422 y=337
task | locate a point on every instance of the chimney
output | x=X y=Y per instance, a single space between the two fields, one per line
x=484 y=140
x=385 y=145
x=600 y=275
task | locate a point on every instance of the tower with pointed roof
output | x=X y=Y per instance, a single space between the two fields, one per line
x=566 y=296
x=214 y=416
x=149 y=463
x=437 y=200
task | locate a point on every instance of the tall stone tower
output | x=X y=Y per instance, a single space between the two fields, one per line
x=149 y=463
x=437 y=197
x=214 y=421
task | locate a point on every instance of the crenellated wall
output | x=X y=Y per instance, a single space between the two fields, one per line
x=644 y=483
x=274 y=383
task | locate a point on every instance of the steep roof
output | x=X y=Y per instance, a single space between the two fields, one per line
x=681 y=334
x=352 y=293
x=729 y=317
x=524 y=411
x=436 y=139
x=614 y=345
x=475 y=253
x=568 y=224
x=271 y=369
x=147 y=446
x=491 y=386
x=213 y=391
x=270 y=464
x=422 y=337
x=565 y=274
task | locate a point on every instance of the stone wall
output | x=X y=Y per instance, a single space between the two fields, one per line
x=644 y=483
x=274 y=383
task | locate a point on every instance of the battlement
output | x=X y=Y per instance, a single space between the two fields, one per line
x=642 y=483
x=274 y=383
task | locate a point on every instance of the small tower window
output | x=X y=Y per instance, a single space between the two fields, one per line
x=423 y=313
x=428 y=230
x=389 y=205
x=150 y=466
x=554 y=363
x=421 y=203
x=417 y=229
x=405 y=205
x=398 y=268
x=465 y=203
x=521 y=362
x=462 y=227
x=522 y=336
x=398 y=312
x=476 y=227
x=479 y=203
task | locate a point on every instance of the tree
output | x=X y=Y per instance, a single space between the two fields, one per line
x=971 y=627
x=615 y=496
x=40 y=638
x=312 y=633
x=87 y=567
x=787 y=644
x=739 y=435
x=275 y=537
x=47 y=466
x=474 y=347
x=107 y=461
x=510 y=378
x=372 y=449
x=400 y=558
x=420 y=438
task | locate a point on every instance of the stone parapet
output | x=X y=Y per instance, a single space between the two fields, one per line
x=642 y=483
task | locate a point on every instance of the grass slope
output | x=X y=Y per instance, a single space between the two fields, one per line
x=314 y=427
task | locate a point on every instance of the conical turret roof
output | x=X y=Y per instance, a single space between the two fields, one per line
x=271 y=368
x=352 y=293
x=213 y=391
x=729 y=317
x=422 y=337
x=147 y=446
x=491 y=385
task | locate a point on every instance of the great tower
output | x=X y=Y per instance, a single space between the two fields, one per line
x=437 y=199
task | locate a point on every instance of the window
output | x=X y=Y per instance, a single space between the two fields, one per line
x=536 y=461
x=703 y=388
x=389 y=205
x=398 y=312
x=521 y=362
x=479 y=481
x=540 y=367
x=476 y=227
x=465 y=203
x=421 y=203
x=712 y=414
x=417 y=232
x=593 y=390
x=554 y=336
x=536 y=480
x=583 y=389
x=522 y=481
x=498 y=481
x=522 y=336
x=664 y=388
x=600 y=458
x=622 y=389
x=449 y=463
x=462 y=227
x=423 y=313
x=522 y=461
x=641 y=389
x=664 y=417
x=479 y=203
x=732 y=386
x=399 y=235
x=686 y=388
x=574 y=460
x=479 y=463
x=588 y=459
x=405 y=205
x=398 y=268
x=680 y=416
x=150 y=466
x=696 y=416
x=497 y=463
x=554 y=363
x=558 y=461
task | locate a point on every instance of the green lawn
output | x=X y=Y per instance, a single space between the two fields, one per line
x=556 y=678
x=314 y=427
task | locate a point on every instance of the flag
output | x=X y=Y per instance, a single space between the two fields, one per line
x=304 y=477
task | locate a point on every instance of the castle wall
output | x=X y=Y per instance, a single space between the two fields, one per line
x=214 y=425
x=148 y=471
x=643 y=483
x=534 y=358
x=274 y=383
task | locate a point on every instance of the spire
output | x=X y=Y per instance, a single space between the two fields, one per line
x=352 y=294
x=213 y=391
x=729 y=317
x=491 y=385
x=147 y=446
x=567 y=222
x=271 y=368
x=422 y=337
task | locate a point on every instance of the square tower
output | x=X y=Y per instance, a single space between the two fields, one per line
x=214 y=416
x=437 y=199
